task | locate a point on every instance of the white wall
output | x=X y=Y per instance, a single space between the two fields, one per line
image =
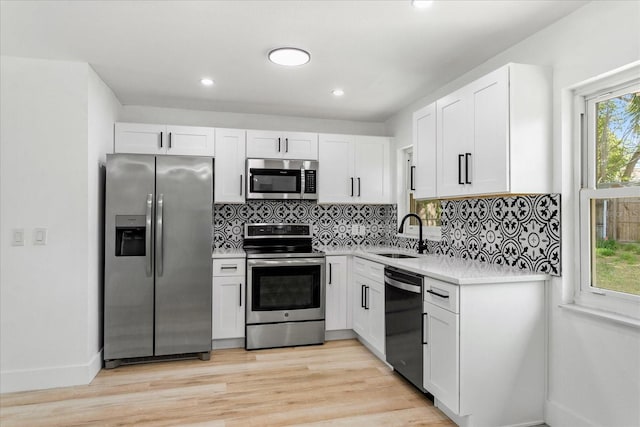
x=104 y=109
x=594 y=366
x=174 y=116
x=48 y=331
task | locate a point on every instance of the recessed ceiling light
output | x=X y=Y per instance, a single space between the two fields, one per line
x=206 y=82
x=337 y=92
x=289 y=56
x=421 y=4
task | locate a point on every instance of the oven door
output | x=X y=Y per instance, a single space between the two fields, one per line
x=285 y=290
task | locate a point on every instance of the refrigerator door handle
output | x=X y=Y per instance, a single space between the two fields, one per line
x=159 y=234
x=147 y=239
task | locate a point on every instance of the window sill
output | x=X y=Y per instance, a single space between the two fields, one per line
x=603 y=315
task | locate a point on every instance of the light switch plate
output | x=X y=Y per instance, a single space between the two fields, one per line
x=17 y=237
x=40 y=236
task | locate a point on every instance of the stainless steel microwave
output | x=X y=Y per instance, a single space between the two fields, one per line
x=282 y=179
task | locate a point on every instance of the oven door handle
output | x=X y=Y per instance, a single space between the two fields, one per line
x=284 y=262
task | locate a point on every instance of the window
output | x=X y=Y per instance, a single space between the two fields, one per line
x=428 y=210
x=610 y=197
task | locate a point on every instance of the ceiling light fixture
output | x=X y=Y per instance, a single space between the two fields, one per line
x=337 y=92
x=206 y=82
x=289 y=56
x=421 y=4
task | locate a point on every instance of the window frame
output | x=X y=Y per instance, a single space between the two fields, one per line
x=585 y=100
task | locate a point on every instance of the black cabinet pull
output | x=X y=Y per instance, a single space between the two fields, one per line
x=366 y=298
x=278 y=145
x=286 y=145
x=351 y=186
x=467 y=156
x=161 y=135
x=241 y=184
x=358 y=186
x=411 y=186
x=362 y=296
x=240 y=289
x=460 y=181
x=330 y=273
x=170 y=139
x=424 y=316
x=437 y=294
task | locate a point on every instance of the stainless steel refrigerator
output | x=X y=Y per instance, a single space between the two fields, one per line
x=157 y=296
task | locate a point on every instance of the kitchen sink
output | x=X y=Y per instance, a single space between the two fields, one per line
x=397 y=255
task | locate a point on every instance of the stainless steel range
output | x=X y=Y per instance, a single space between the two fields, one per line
x=285 y=286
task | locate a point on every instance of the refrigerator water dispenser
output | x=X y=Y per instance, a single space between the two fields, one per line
x=130 y=235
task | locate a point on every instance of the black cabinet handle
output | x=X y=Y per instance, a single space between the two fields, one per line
x=424 y=316
x=330 y=273
x=170 y=139
x=366 y=298
x=411 y=186
x=437 y=294
x=467 y=156
x=358 y=186
x=460 y=181
x=241 y=184
x=362 y=296
x=286 y=145
x=278 y=145
x=351 y=186
x=240 y=289
x=161 y=135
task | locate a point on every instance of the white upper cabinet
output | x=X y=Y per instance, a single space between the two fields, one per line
x=141 y=138
x=354 y=169
x=494 y=135
x=229 y=166
x=423 y=176
x=262 y=144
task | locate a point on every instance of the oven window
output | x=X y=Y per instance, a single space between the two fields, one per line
x=285 y=288
x=275 y=181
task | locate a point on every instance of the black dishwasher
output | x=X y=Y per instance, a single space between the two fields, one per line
x=403 y=323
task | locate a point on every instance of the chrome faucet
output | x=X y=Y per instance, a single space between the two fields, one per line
x=421 y=245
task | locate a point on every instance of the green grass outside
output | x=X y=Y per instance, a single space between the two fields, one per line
x=618 y=266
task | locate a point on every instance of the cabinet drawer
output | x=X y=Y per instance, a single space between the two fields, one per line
x=442 y=294
x=369 y=269
x=229 y=267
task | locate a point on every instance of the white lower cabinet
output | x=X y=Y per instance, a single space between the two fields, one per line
x=484 y=351
x=368 y=303
x=336 y=293
x=229 y=289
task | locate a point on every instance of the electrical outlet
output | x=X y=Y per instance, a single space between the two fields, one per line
x=40 y=236
x=17 y=237
x=358 y=230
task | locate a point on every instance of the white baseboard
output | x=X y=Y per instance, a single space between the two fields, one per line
x=51 y=377
x=227 y=343
x=343 y=334
x=557 y=415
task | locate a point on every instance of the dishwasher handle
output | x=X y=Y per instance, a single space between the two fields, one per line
x=404 y=286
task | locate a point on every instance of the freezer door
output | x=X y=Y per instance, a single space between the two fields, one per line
x=128 y=284
x=184 y=203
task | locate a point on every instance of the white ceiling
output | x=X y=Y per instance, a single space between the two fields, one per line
x=384 y=54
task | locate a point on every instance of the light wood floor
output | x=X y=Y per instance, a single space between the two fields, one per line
x=339 y=383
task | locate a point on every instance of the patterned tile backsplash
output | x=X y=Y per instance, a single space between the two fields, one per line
x=519 y=231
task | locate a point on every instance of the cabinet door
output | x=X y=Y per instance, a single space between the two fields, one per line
x=300 y=145
x=336 y=295
x=190 y=141
x=229 y=166
x=336 y=180
x=228 y=307
x=140 y=138
x=372 y=170
x=375 y=306
x=264 y=144
x=360 y=314
x=424 y=152
x=489 y=163
x=452 y=143
x=442 y=355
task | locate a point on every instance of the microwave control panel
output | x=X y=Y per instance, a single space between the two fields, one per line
x=310 y=181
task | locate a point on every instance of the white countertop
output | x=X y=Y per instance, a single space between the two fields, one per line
x=453 y=270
